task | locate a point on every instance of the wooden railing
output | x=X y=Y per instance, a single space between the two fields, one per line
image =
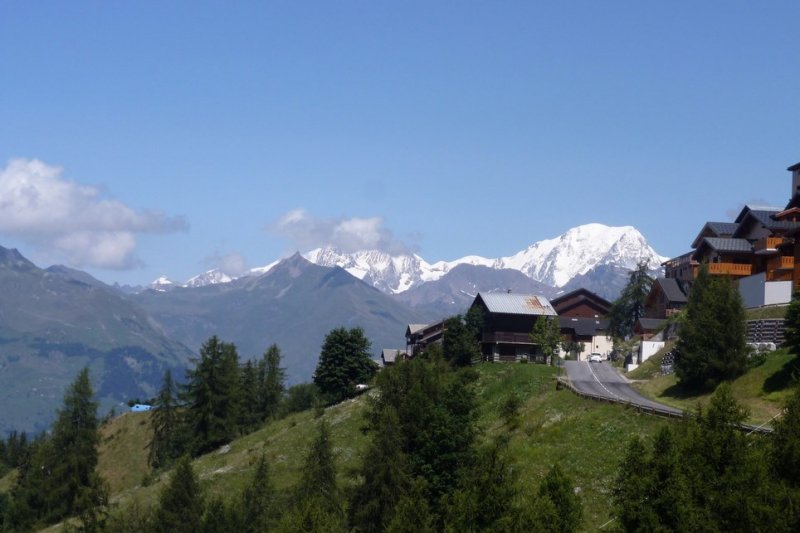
x=728 y=269
x=767 y=244
x=782 y=262
x=507 y=336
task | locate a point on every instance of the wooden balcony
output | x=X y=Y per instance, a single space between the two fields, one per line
x=767 y=245
x=782 y=262
x=727 y=269
x=507 y=337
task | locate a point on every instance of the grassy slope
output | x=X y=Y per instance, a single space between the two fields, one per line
x=762 y=389
x=585 y=437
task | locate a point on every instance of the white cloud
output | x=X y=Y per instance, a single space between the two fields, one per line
x=233 y=263
x=74 y=222
x=347 y=234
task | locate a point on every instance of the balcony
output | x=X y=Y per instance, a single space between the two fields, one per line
x=507 y=337
x=767 y=245
x=782 y=262
x=727 y=269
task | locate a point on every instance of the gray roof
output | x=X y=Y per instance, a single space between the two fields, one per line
x=722 y=229
x=728 y=245
x=672 y=290
x=390 y=355
x=651 y=323
x=583 y=326
x=516 y=304
x=765 y=218
x=413 y=328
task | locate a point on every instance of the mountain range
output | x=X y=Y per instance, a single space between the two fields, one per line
x=55 y=321
x=595 y=254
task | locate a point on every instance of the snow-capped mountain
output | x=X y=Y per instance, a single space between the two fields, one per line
x=210 y=277
x=162 y=283
x=556 y=261
x=553 y=262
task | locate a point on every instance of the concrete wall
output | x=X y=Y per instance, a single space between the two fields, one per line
x=647 y=349
x=756 y=291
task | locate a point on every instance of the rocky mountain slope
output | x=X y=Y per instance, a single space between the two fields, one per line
x=295 y=304
x=53 y=323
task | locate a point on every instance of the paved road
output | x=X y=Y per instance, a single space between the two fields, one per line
x=602 y=379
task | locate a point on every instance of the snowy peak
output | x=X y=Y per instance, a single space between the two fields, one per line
x=211 y=277
x=556 y=261
x=161 y=284
x=553 y=262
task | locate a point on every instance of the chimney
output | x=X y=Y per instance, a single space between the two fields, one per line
x=795 y=170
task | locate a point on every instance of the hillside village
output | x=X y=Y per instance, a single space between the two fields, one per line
x=759 y=248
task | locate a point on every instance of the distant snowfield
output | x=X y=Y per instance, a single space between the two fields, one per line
x=551 y=261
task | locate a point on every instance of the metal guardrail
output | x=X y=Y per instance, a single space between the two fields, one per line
x=656 y=411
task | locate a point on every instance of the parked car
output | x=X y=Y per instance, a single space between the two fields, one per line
x=595 y=358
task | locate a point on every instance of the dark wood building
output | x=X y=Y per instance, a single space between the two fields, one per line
x=581 y=303
x=508 y=320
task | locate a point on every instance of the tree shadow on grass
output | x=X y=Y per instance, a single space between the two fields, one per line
x=682 y=392
x=784 y=377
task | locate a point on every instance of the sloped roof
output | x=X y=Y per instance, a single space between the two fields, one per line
x=583 y=326
x=650 y=324
x=727 y=245
x=717 y=229
x=413 y=328
x=796 y=166
x=766 y=218
x=583 y=295
x=390 y=355
x=672 y=290
x=516 y=304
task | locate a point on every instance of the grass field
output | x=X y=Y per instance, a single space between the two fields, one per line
x=586 y=438
x=762 y=390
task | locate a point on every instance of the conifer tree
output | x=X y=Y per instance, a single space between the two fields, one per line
x=181 y=506
x=344 y=362
x=257 y=510
x=786 y=441
x=792 y=325
x=316 y=505
x=485 y=497
x=250 y=413
x=459 y=345
x=629 y=307
x=559 y=490
x=386 y=476
x=546 y=334
x=712 y=346
x=60 y=479
x=212 y=396
x=165 y=443
x=271 y=381
x=412 y=513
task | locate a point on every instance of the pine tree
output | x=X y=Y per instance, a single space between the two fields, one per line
x=485 y=497
x=344 y=362
x=165 y=444
x=386 y=476
x=712 y=346
x=792 y=325
x=629 y=307
x=546 y=334
x=316 y=505
x=558 y=489
x=250 y=414
x=786 y=441
x=213 y=396
x=459 y=345
x=181 y=506
x=271 y=381
x=257 y=510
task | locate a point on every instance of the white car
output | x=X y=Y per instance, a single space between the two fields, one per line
x=595 y=358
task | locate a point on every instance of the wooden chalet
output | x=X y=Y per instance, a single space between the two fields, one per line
x=418 y=336
x=508 y=319
x=581 y=303
x=667 y=296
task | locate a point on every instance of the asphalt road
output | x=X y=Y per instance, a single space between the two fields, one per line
x=602 y=379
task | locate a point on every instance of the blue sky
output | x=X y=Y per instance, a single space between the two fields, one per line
x=148 y=138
